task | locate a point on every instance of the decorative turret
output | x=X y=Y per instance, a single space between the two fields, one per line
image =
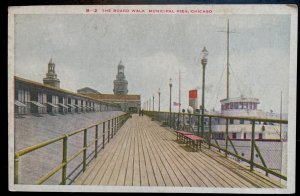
x=120 y=84
x=51 y=77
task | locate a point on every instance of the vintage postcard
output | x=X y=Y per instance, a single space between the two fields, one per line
x=152 y=98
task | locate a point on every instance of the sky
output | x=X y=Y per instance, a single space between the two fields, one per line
x=87 y=49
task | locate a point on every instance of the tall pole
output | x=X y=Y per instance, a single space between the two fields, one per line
x=170 y=84
x=227 y=83
x=159 y=99
x=153 y=103
x=179 y=91
x=203 y=62
x=280 y=114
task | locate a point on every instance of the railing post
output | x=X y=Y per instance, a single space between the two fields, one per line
x=115 y=125
x=108 y=131
x=178 y=121
x=226 y=138
x=174 y=121
x=84 y=149
x=198 y=127
x=189 y=122
x=112 y=127
x=183 y=123
x=170 y=120
x=16 y=168
x=103 y=135
x=64 y=160
x=252 y=145
x=209 y=135
x=96 y=141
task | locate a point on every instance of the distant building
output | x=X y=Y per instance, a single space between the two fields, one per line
x=87 y=90
x=51 y=77
x=120 y=84
x=38 y=99
x=128 y=103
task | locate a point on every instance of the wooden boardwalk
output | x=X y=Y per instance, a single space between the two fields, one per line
x=145 y=154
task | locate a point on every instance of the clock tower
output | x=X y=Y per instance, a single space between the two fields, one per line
x=120 y=83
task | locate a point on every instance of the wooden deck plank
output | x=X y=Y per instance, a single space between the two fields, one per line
x=149 y=169
x=209 y=171
x=169 y=165
x=258 y=179
x=129 y=170
x=106 y=162
x=164 y=172
x=144 y=153
x=91 y=172
x=199 y=173
x=156 y=170
x=116 y=165
x=190 y=173
x=136 y=181
x=123 y=167
x=143 y=170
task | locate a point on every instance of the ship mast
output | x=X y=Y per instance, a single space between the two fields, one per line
x=179 y=90
x=227 y=83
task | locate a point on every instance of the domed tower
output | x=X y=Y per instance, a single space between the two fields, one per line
x=120 y=83
x=51 y=77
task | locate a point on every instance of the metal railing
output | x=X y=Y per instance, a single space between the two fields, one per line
x=113 y=125
x=193 y=123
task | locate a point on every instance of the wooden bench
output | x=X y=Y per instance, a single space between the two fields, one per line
x=191 y=140
x=181 y=134
x=194 y=141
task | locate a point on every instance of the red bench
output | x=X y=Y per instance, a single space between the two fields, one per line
x=181 y=134
x=194 y=141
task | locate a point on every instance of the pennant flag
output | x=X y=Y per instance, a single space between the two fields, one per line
x=176 y=104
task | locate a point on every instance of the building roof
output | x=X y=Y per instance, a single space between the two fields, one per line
x=87 y=90
x=114 y=97
x=26 y=81
x=240 y=99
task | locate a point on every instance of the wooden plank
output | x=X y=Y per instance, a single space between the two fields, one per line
x=253 y=177
x=143 y=170
x=199 y=173
x=164 y=172
x=208 y=169
x=189 y=174
x=129 y=170
x=176 y=176
x=149 y=169
x=136 y=181
x=106 y=162
x=111 y=174
x=90 y=173
x=123 y=169
x=215 y=171
x=156 y=170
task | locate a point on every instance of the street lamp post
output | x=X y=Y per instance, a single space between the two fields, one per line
x=159 y=99
x=170 y=84
x=204 y=55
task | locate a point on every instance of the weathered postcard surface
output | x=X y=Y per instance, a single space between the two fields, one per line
x=152 y=98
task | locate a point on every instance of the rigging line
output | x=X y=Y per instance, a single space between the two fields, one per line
x=218 y=89
x=235 y=78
